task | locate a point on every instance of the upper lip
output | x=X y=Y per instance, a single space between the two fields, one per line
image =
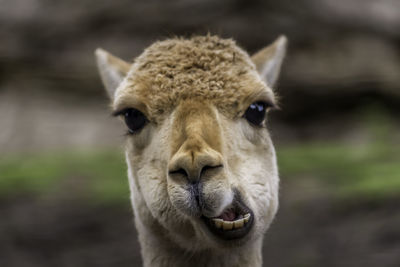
x=234 y=222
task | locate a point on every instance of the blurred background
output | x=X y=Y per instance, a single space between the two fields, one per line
x=64 y=198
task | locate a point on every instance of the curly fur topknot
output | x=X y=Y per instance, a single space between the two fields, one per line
x=203 y=68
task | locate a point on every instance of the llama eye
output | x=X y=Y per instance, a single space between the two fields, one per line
x=134 y=119
x=255 y=113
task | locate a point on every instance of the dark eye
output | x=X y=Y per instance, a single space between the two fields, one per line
x=134 y=119
x=255 y=113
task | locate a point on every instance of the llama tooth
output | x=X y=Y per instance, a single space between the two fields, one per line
x=238 y=223
x=246 y=217
x=218 y=223
x=227 y=225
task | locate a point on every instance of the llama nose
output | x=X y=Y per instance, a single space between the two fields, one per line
x=193 y=164
x=193 y=175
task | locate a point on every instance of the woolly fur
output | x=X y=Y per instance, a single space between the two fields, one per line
x=194 y=93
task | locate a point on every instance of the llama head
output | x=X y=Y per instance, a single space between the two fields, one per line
x=201 y=164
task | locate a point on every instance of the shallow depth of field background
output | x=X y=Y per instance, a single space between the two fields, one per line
x=64 y=198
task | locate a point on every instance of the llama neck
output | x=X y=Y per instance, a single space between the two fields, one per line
x=159 y=251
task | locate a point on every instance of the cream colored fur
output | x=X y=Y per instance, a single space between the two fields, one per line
x=194 y=93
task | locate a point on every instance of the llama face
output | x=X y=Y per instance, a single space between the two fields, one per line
x=202 y=166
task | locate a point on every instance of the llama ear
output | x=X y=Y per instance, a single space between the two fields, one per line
x=269 y=60
x=112 y=70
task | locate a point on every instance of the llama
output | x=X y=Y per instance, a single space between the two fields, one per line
x=201 y=164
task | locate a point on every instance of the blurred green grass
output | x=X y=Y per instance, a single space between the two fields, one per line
x=367 y=169
x=97 y=175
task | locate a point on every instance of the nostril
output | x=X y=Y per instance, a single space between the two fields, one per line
x=209 y=168
x=194 y=175
x=179 y=171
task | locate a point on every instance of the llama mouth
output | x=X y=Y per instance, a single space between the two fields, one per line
x=235 y=222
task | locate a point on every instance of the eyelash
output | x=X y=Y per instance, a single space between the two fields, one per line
x=119 y=112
